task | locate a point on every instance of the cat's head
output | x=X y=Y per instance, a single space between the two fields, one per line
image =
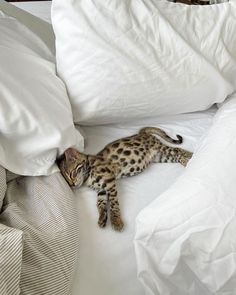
x=73 y=166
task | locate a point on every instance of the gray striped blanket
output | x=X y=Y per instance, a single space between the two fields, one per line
x=38 y=235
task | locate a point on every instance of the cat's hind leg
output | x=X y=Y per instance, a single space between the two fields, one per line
x=184 y=157
x=172 y=155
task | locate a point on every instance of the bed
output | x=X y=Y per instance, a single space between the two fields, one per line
x=179 y=222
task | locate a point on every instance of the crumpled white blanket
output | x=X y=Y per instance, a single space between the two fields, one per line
x=185 y=240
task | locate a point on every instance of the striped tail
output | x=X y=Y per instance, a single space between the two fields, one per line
x=162 y=134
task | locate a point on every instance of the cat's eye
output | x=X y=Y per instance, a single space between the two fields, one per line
x=75 y=171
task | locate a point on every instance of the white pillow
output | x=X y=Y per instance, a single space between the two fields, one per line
x=138 y=58
x=35 y=116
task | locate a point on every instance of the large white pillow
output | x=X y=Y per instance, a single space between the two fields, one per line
x=137 y=58
x=36 y=121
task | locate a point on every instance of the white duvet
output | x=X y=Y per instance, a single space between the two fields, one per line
x=185 y=240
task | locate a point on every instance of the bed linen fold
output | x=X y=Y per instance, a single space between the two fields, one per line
x=185 y=240
x=38 y=235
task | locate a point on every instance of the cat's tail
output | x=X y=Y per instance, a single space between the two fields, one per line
x=162 y=134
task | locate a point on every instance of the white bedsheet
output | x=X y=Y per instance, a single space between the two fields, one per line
x=107 y=264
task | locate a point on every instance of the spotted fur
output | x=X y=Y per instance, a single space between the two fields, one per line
x=122 y=158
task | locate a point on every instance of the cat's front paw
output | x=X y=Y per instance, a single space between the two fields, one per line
x=102 y=219
x=117 y=223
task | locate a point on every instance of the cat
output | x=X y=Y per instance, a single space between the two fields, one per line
x=124 y=157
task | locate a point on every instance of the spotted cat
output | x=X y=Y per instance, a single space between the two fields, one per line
x=124 y=157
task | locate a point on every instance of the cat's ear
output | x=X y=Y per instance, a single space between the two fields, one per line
x=71 y=154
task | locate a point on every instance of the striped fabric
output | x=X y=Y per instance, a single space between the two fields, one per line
x=10 y=250
x=10 y=260
x=42 y=244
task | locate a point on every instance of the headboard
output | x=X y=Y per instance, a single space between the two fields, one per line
x=199 y=2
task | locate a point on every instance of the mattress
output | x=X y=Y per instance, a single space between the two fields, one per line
x=107 y=262
x=41 y=9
